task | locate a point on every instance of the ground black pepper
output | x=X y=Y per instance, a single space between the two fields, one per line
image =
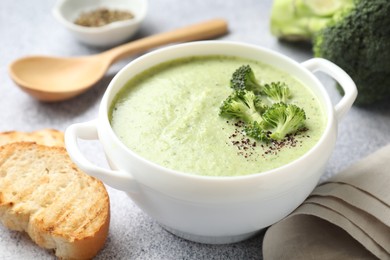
x=246 y=147
x=102 y=16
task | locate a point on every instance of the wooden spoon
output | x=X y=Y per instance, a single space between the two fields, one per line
x=53 y=79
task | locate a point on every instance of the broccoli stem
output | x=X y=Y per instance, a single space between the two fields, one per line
x=300 y=20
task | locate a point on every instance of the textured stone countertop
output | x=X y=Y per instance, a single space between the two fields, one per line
x=28 y=27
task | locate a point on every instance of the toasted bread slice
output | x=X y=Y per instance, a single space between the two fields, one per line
x=47 y=136
x=44 y=194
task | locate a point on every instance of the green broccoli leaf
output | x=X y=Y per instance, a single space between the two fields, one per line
x=244 y=105
x=277 y=92
x=244 y=79
x=282 y=119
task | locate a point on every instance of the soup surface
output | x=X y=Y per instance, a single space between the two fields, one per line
x=169 y=115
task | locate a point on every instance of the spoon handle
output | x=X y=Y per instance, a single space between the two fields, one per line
x=200 y=31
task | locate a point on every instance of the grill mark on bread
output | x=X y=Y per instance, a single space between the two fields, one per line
x=87 y=222
x=63 y=215
x=80 y=224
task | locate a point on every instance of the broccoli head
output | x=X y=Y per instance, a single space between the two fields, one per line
x=277 y=92
x=354 y=34
x=359 y=42
x=243 y=105
x=244 y=79
x=282 y=119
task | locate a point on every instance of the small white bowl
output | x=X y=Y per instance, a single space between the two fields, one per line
x=67 y=11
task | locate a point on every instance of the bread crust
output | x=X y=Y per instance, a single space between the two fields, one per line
x=44 y=194
x=47 y=136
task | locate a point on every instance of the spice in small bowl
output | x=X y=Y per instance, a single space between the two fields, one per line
x=102 y=16
x=107 y=27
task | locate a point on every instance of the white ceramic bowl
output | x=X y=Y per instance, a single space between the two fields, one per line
x=213 y=209
x=67 y=11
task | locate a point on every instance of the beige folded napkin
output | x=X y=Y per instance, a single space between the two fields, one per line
x=347 y=217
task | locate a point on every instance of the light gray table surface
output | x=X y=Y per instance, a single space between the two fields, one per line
x=28 y=27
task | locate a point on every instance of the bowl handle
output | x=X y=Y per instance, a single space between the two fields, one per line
x=88 y=131
x=345 y=81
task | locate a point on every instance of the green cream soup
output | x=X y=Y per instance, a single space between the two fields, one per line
x=169 y=115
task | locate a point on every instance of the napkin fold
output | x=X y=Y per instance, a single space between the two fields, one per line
x=346 y=217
